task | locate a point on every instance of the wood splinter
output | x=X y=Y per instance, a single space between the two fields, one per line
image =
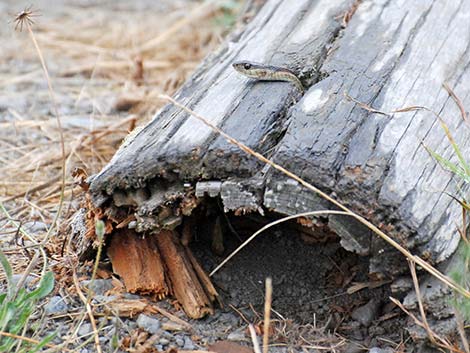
x=159 y=264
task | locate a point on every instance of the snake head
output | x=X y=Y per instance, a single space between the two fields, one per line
x=250 y=69
x=242 y=66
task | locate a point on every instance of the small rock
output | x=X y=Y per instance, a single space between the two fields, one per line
x=166 y=334
x=36 y=227
x=131 y=296
x=164 y=341
x=354 y=347
x=56 y=305
x=188 y=344
x=425 y=347
x=401 y=286
x=236 y=336
x=179 y=341
x=227 y=346
x=149 y=324
x=85 y=329
x=17 y=278
x=380 y=350
x=229 y=319
x=365 y=314
x=99 y=286
x=103 y=299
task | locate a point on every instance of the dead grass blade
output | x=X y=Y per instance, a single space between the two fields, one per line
x=461 y=330
x=424 y=320
x=439 y=341
x=59 y=125
x=201 y=11
x=30 y=340
x=254 y=339
x=89 y=310
x=430 y=269
x=457 y=101
x=267 y=313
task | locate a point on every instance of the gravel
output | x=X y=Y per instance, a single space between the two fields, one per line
x=56 y=305
x=149 y=324
x=367 y=313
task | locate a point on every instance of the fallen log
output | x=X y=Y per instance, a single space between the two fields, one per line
x=387 y=55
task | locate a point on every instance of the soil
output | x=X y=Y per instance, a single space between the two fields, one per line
x=310 y=283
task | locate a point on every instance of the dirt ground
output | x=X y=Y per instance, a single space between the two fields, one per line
x=108 y=61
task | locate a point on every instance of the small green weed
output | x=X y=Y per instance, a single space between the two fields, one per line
x=460 y=272
x=229 y=10
x=16 y=307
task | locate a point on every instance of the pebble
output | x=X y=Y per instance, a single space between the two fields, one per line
x=99 y=286
x=84 y=329
x=188 y=344
x=102 y=299
x=149 y=324
x=354 y=347
x=236 y=336
x=367 y=313
x=164 y=341
x=179 y=341
x=380 y=350
x=16 y=278
x=36 y=227
x=56 y=305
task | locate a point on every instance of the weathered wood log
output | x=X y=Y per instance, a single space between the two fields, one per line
x=389 y=55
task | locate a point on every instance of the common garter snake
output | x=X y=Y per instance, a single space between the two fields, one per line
x=264 y=72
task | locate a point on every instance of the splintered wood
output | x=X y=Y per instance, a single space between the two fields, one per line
x=187 y=287
x=137 y=260
x=159 y=264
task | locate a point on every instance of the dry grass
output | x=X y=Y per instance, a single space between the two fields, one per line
x=100 y=60
x=75 y=85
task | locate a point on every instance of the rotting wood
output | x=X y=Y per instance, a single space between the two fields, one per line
x=185 y=283
x=203 y=277
x=159 y=265
x=390 y=55
x=137 y=261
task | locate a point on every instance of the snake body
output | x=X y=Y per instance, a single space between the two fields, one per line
x=264 y=72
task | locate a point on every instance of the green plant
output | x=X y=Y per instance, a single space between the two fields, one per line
x=228 y=11
x=17 y=305
x=461 y=274
x=461 y=270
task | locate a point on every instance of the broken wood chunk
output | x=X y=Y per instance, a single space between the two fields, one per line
x=203 y=277
x=137 y=260
x=184 y=280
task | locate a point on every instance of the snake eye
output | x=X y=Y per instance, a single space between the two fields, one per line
x=247 y=66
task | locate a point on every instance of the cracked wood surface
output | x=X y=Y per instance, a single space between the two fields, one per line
x=390 y=55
